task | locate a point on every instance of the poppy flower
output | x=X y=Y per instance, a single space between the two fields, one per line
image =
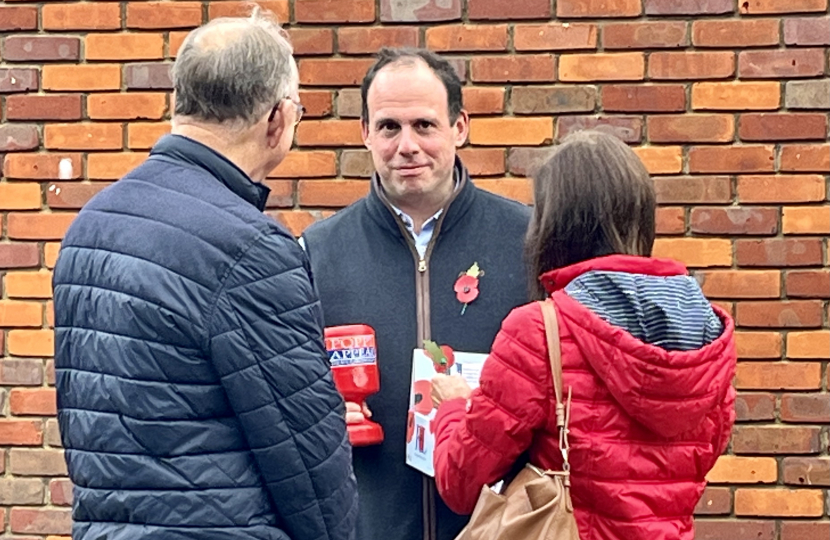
x=466 y=288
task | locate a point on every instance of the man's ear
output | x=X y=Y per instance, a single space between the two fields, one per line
x=276 y=126
x=364 y=132
x=462 y=128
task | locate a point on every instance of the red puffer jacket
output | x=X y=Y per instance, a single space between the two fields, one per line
x=647 y=423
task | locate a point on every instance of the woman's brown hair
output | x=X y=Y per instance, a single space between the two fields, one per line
x=593 y=197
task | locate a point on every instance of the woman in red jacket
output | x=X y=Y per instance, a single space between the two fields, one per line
x=649 y=361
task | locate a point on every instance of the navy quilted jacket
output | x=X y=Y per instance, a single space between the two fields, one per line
x=195 y=399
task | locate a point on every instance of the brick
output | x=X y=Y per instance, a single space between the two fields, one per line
x=81 y=16
x=40 y=166
x=225 y=8
x=754 y=407
x=626 y=128
x=731 y=529
x=731 y=159
x=781 y=189
x=41 y=48
x=529 y=131
x=778 y=376
x=598 y=8
x=14 y=313
x=331 y=193
x=783 y=63
x=714 y=501
x=145 y=15
x=806 y=220
x=805 y=158
x=776 y=440
x=28 y=284
x=525 y=161
x=369 y=40
x=281 y=195
x=37 y=462
x=554 y=37
x=782 y=127
x=734 y=284
x=807 y=471
x=517 y=189
x=483 y=161
x=805 y=408
x=72 y=196
x=766 y=7
x=691 y=65
x=465 y=37
x=52 y=434
x=670 y=220
x=553 y=99
x=807 y=94
x=784 y=314
x=50 y=254
x=306 y=165
x=693 y=189
x=148 y=76
x=799 y=530
x=13 y=19
x=132 y=106
x=349 y=103
x=689 y=7
x=21 y=432
x=736 y=33
x=18 y=196
x=82 y=77
x=537 y=67
x=18 y=80
x=124 y=46
x=809 y=284
x=661 y=159
x=645 y=35
x=295 y=221
x=86 y=136
x=25 y=226
x=31 y=343
x=17 y=137
x=111 y=166
x=329 y=133
x=44 y=107
x=334 y=11
x=356 y=164
x=499 y=10
x=643 y=98
x=40 y=521
x=60 y=492
x=333 y=72
x=309 y=41
x=778 y=252
x=684 y=128
x=37 y=402
x=21 y=491
x=423 y=10
x=18 y=256
x=602 y=67
x=695 y=252
x=21 y=372
x=734 y=220
x=755 y=345
x=142 y=136
x=778 y=502
x=807 y=31
x=485 y=99
x=317 y=103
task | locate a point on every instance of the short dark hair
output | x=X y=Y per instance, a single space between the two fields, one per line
x=593 y=197
x=440 y=66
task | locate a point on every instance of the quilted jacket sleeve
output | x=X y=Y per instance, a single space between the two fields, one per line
x=479 y=446
x=267 y=347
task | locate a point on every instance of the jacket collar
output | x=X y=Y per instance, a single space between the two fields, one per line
x=459 y=203
x=559 y=278
x=184 y=149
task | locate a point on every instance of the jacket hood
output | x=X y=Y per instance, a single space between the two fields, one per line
x=664 y=352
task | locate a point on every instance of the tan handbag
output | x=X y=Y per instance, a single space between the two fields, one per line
x=537 y=504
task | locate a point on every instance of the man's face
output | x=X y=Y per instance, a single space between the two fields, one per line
x=409 y=133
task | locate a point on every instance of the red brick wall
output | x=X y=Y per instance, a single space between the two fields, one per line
x=726 y=101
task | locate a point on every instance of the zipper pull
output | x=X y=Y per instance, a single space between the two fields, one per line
x=422 y=266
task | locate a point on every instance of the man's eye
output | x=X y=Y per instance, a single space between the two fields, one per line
x=388 y=126
x=424 y=124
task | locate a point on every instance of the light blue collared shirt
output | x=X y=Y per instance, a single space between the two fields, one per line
x=421 y=239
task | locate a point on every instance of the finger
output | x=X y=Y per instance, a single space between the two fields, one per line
x=354 y=418
x=366 y=412
x=352 y=407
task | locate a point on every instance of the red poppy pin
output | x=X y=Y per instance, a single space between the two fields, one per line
x=466 y=286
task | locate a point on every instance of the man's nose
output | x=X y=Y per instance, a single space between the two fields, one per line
x=407 y=144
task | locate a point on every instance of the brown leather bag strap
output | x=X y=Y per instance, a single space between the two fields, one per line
x=555 y=356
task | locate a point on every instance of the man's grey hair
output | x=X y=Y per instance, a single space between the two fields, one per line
x=234 y=70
